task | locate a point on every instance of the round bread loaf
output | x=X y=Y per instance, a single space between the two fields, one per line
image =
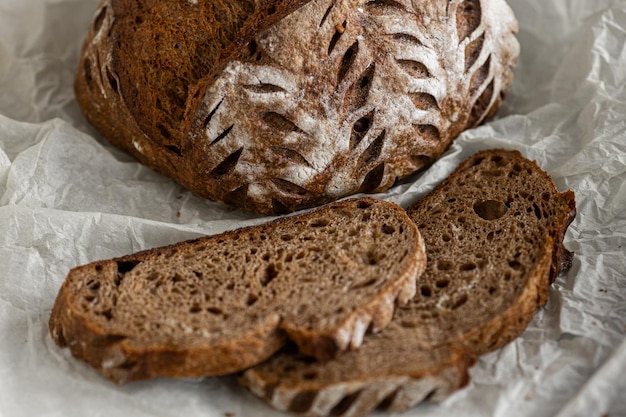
x=279 y=105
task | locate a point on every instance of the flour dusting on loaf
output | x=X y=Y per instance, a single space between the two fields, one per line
x=281 y=105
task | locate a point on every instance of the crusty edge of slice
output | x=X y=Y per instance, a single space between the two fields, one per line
x=120 y=362
x=359 y=397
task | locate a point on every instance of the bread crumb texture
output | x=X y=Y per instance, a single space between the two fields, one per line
x=493 y=232
x=223 y=303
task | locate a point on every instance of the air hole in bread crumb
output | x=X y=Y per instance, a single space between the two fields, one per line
x=425 y=291
x=270 y=273
x=442 y=283
x=498 y=160
x=215 y=310
x=107 y=314
x=319 y=223
x=446 y=237
x=371 y=258
x=195 y=308
x=124 y=267
x=251 y=300
x=490 y=209
x=176 y=279
x=516 y=265
x=444 y=265
x=93 y=285
x=363 y=205
x=388 y=229
x=468 y=266
x=492 y=290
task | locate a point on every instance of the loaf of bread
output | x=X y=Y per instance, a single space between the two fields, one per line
x=494 y=240
x=279 y=105
x=223 y=303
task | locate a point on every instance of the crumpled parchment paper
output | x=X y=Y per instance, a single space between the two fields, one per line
x=67 y=198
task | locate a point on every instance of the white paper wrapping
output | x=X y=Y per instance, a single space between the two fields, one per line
x=67 y=198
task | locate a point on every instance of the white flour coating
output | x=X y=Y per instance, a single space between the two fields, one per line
x=296 y=95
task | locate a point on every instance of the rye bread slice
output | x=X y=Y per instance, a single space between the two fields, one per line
x=493 y=231
x=220 y=304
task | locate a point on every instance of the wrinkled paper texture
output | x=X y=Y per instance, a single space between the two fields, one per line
x=67 y=198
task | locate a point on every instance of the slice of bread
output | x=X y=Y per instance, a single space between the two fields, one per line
x=493 y=231
x=220 y=304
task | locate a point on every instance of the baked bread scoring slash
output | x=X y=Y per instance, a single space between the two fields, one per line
x=220 y=304
x=494 y=240
x=275 y=106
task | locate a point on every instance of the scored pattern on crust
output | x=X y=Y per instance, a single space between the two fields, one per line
x=345 y=96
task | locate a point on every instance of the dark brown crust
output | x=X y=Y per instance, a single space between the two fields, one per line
x=144 y=81
x=113 y=115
